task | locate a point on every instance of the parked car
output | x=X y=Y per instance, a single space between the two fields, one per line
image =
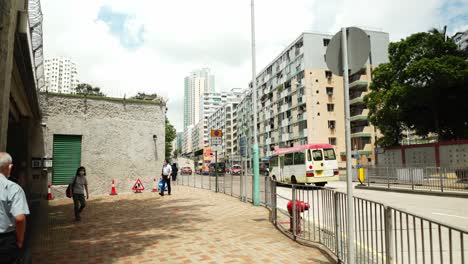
x=236 y=170
x=186 y=171
x=221 y=168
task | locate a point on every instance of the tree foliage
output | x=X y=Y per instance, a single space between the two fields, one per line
x=170 y=136
x=423 y=87
x=87 y=89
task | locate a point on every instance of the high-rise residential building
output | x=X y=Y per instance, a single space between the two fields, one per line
x=225 y=119
x=187 y=141
x=244 y=122
x=179 y=138
x=196 y=84
x=210 y=102
x=61 y=75
x=461 y=39
x=300 y=101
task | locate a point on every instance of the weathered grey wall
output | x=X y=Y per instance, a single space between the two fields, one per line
x=117 y=139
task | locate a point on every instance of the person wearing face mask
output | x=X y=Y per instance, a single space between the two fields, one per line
x=13 y=211
x=79 y=185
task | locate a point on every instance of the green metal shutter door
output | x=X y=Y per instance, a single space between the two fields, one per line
x=67 y=158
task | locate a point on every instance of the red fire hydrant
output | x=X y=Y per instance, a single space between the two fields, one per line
x=301 y=206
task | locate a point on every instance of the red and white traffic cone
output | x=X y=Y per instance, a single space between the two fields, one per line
x=49 y=193
x=113 y=191
x=155 y=186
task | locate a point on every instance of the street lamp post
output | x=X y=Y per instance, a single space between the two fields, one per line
x=256 y=179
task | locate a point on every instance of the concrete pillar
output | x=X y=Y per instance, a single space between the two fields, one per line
x=8 y=19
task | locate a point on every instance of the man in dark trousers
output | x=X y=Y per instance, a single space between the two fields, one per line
x=13 y=211
x=166 y=177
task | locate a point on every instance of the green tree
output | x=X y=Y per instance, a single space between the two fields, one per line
x=170 y=136
x=144 y=96
x=87 y=89
x=423 y=87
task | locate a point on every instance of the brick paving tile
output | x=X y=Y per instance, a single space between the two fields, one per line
x=190 y=226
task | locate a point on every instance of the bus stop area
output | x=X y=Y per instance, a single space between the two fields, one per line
x=190 y=226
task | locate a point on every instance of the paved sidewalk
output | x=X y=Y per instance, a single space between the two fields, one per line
x=190 y=226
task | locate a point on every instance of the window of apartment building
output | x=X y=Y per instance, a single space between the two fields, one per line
x=328 y=74
x=330 y=91
x=331 y=124
x=330 y=107
x=326 y=42
x=332 y=141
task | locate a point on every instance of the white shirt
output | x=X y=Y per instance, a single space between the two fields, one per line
x=167 y=170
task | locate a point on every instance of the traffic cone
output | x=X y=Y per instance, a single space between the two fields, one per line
x=155 y=186
x=49 y=193
x=113 y=191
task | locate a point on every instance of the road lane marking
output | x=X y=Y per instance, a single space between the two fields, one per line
x=463 y=217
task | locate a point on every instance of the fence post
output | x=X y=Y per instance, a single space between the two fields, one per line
x=293 y=189
x=388 y=235
x=231 y=182
x=273 y=201
x=388 y=177
x=411 y=172
x=336 y=213
x=441 y=179
x=366 y=174
x=265 y=183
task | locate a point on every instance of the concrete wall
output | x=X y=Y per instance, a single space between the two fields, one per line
x=454 y=155
x=445 y=154
x=117 y=139
x=390 y=158
x=420 y=157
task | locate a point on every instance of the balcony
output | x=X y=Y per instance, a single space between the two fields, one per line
x=358 y=85
x=359 y=118
x=285 y=122
x=301 y=117
x=268 y=141
x=284 y=93
x=285 y=137
x=284 y=108
x=357 y=101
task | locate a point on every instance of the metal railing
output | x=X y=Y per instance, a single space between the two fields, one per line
x=422 y=178
x=239 y=186
x=383 y=234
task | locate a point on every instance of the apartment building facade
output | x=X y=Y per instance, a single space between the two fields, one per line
x=225 y=119
x=187 y=141
x=300 y=101
x=244 y=124
x=61 y=75
x=461 y=39
x=196 y=85
x=210 y=102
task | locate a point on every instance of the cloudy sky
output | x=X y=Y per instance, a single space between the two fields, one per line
x=130 y=46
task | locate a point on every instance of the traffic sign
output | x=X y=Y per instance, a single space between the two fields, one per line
x=215 y=141
x=216 y=133
x=138 y=186
x=358 y=51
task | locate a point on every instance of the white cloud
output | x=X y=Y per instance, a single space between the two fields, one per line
x=182 y=35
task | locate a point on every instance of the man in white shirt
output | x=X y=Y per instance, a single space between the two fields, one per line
x=166 y=177
x=13 y=211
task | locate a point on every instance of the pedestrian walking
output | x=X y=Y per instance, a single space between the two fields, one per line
x=13 y=211
x=165 y=176
x=79 y=185
x=175 y=170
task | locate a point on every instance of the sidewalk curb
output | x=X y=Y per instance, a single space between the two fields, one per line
x=445 y=194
